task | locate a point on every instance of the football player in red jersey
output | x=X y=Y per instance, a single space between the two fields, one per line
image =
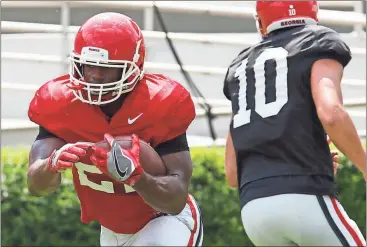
x=286 y=98
x=107 y=94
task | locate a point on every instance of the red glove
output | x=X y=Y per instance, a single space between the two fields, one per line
x=120 y=164
x=67 y=156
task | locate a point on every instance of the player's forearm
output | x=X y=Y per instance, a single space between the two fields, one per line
x=230 y=166
x=231 y=175
x=41 y=181
x=166 y=194
x=344 y=135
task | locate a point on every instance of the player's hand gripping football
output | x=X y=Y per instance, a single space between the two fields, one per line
x=120 y=164
x=335 y=156
x=67 y=156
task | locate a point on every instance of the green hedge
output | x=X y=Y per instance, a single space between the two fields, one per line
x=54 y=220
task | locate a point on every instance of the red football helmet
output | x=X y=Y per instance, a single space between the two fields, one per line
x=273 y=15
x=108 y=40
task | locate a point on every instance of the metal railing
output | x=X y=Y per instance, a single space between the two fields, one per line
x=355 y=19
x=203 y=70
x=344 y=18
x=220 y=107
x=24 y=27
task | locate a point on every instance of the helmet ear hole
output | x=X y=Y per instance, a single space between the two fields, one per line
x=136 y=58
x=260 y=28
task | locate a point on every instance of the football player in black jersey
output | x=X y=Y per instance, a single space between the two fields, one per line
x=286 y=98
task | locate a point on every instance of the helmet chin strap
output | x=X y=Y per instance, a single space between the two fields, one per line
x=136 y=55
x=258 y=27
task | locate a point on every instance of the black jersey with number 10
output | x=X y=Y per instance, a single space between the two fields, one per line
x=275 y=127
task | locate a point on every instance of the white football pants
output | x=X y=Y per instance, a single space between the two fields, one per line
x=184 y=229
x=299 y=220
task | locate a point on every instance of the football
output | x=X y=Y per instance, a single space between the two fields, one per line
x=149 y=159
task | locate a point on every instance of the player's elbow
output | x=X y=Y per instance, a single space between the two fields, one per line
x=332 y=114
x=176 y=201
x=175 y=207
x=176 y=210
x=232 y=183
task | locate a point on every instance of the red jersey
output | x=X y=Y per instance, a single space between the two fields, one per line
x=165 y=110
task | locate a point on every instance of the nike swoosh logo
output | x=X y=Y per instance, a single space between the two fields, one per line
x=121 y=173
x=131 y=121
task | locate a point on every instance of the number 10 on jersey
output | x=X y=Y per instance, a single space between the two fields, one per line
x=264 y=109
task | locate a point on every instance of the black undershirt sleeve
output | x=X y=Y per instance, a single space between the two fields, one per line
x=43 y=134
x=174 y=145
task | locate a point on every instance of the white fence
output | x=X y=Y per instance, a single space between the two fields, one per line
x=238 y=9
x=165 y=67
x=221 y=108
x=326 y=16
x=357 y=19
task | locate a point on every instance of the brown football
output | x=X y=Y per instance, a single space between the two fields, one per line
x=149 y=159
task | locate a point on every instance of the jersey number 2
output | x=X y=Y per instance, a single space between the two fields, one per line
x=261 y=107
x=105 y=186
